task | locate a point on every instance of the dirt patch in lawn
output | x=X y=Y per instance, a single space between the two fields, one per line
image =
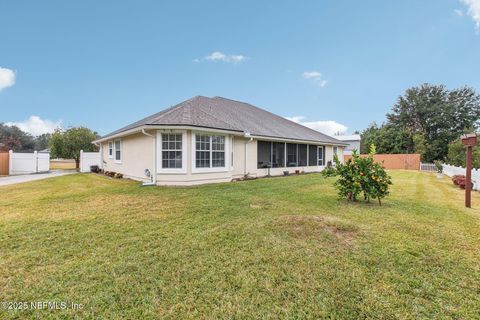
x=317 y=227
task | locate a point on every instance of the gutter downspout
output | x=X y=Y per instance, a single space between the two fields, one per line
x=153 y=178
x=246 y=135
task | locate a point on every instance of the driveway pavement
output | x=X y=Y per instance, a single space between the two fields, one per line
x=5 y=181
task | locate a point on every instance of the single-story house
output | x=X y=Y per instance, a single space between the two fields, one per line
x=352 y=141
x=203 y=140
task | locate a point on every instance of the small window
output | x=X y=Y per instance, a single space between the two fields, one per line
x=118 y=150
x=172 y=151
x=335 y=151
x=110 y=149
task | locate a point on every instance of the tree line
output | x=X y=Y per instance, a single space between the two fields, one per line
x=13 y=138
x=429 y=120
x=61 y=143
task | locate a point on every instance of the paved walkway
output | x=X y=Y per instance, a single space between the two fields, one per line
x=5 y=181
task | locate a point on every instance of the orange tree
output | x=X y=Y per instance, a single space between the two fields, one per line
x=362 y=175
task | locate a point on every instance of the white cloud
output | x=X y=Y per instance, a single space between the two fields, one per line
x=36 y=126
x=311 y=74
x=7 y=78
x=220 y=56
x=315 y=77
x=473 y=11
x=329 y=127
x=458 y=12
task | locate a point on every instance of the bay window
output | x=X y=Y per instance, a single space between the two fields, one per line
x=209 y=151
x=172 y=151
x=202 y=151
x=218 y=151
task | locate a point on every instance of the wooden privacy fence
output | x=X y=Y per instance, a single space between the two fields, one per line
x=4 y=163
x=409 y=161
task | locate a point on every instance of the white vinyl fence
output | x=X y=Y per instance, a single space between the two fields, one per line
x=450 y=171
x=427 y=167
x=88 y=159
x=25 y=163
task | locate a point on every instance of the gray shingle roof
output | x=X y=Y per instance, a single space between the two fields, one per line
x=222 y=113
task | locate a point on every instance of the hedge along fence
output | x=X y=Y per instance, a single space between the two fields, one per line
x=450 y=171
x=408 y=161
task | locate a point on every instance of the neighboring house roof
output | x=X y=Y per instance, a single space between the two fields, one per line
x=231 y=115
x=351 y=137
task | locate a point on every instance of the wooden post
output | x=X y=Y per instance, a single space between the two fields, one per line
x=469 y=140
x=468 y=183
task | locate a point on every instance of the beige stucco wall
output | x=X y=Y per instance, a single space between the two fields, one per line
x=138 y=155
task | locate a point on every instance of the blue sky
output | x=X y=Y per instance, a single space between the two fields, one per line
x=104 y=64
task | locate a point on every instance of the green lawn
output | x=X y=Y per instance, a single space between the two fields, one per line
x=269 y=248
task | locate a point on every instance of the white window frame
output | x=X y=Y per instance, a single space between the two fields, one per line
x=183 y=169
x=227 y=151
x=115 y=151
x=231 y=153
x=110 y=149
x=324 y=158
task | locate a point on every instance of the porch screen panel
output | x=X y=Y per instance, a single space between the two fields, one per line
x=312 y=155
x=292 y=155
x=302 y=155
x=264 y=154
x=278 y=154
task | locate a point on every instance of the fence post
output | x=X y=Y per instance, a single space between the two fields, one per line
x=81 y=158
x=10 y=156
x=35 y=157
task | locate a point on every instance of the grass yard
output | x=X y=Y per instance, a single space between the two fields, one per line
x=62 y=164
x=269 y=248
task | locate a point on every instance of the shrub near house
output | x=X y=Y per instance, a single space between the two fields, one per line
x=362 y=175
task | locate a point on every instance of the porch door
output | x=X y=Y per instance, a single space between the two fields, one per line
x=321 y=155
